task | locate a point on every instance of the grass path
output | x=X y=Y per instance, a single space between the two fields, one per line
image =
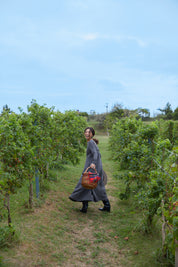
x=57 y=234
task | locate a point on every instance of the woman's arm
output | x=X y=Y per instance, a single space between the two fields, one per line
x=94 y=153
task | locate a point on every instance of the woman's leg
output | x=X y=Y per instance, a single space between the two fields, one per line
x=107 y=206
x=84 y=207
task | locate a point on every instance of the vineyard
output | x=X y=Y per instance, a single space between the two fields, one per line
x=147 y=154
x=35 y=143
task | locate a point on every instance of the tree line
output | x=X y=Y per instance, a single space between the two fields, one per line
x=107 y=119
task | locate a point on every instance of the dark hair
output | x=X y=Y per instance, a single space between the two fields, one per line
x=96 y=141
x=93 y=133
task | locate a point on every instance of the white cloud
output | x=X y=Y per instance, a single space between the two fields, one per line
x=137 y=40
x=117 y=38
x=90 y=36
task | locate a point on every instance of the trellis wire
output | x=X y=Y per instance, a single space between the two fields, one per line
x=171 y=152
x=161 y=167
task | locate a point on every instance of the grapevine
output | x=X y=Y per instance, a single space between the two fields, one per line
x=40 y=139
x=144 y=153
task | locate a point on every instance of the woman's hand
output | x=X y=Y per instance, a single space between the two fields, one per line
x=92 y=165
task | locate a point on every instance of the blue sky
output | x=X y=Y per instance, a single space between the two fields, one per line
x=82 y=54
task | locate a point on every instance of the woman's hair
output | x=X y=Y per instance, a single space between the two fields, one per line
x=96 y=141
x=93 y=133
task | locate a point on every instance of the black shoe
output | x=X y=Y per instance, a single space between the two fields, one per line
x=107 y=206
x=83 y=210
x=105 y=209
x=85 y=207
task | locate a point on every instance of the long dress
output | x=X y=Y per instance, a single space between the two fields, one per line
x=99 y=193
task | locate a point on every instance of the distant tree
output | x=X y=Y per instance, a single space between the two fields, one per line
x=143 y=112
x=6 y=109
x=175 y=114
x=117 y=111
x=127 y=112
x=83 y=114
x=92 y=115
x=100 y=118
x=167 y=111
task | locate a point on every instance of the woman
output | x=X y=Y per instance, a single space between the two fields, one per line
x=93 y=159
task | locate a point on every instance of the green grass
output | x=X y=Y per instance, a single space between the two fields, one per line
x=55 y=233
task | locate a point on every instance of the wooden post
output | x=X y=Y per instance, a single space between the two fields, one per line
x=7 y=205
x=31 y=195
x=37 y=183
x=163 y=225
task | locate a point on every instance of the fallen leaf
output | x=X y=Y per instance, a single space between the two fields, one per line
x=136 y=252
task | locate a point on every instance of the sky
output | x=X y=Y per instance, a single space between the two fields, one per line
x=89 y=54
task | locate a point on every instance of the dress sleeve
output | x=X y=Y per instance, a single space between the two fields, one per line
x=94 y=152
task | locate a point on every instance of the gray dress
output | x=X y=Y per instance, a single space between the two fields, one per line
x=99 y=193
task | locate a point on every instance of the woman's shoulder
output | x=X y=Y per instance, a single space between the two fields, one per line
x=91 y=141
x=93 y=144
